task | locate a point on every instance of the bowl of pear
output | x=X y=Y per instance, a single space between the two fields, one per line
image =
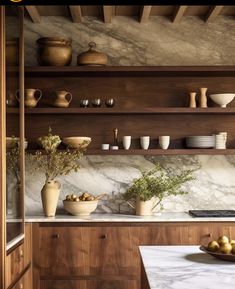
x=223 y=248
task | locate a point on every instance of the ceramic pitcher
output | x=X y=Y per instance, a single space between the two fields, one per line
x=144 y=208
x=30 y=97
x=50 y=196
x=11 y=100
x=61 y=100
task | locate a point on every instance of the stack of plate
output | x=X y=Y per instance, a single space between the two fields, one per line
x=203 y=141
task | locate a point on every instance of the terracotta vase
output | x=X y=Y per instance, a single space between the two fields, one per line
x=50 y=196
x=61 y=100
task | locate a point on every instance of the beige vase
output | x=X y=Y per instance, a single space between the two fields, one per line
x=144 y=208
x=50 y=196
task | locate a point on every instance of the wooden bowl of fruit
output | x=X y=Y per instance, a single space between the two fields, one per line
x=223 y=249
x=82 y=205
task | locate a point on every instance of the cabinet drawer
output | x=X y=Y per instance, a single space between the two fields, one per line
x=89 y=284
x=25 y=281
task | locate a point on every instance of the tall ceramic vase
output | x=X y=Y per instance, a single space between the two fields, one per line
x=50 y=196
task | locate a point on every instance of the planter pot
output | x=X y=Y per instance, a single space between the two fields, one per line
x=50 y=196
x=144 y=208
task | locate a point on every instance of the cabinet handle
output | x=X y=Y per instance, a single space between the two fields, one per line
x=21 y=253
x=21 y=286
x=209 y=235
x=105 y=236
x=56 y=236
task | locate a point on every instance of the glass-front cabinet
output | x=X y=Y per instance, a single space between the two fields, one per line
x=15 y=142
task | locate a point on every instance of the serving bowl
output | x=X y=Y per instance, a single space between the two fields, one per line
x=12 y=142
x=77 y=142
x=226 y=257
x=222 y=99
x=81 y=208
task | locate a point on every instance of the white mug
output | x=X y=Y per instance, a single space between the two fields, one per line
x=220 y=142
x=144 y=142
x=126 y=142
x=164 y=141
x=105 y=146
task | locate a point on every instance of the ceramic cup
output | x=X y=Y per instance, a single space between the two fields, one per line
x=164 y=141
x=114 y=148
x=126 y=142
x=220 y=142
x=144 y=142
x=105 y=146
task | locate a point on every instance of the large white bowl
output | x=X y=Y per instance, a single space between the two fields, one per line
x=77 y=142
x=81 y=208
x=222 y=99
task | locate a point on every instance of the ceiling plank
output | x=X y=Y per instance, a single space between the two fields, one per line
x=108 y=12
x=213 y=12
x=178 y=13
x=144 y=13
x=33 y=13
x=76 y=13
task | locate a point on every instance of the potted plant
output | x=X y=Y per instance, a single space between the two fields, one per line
x=54 y=163
x=152 y=186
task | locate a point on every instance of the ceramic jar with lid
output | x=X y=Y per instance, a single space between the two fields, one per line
x=54 y=51
x=92 y=57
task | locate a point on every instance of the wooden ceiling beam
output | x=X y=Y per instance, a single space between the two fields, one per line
x=108 y=13
x=178 y=13
x=213 y=12
x=33 y=13
x=76 y=13
x=144 y=13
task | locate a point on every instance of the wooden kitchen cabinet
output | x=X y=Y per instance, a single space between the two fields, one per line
x=19 y=260
x=25 y=281
x=105 y=255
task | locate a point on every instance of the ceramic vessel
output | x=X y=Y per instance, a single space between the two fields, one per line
x=50 y=196
x=92 y=57
x=193 y=99
x=144 y=208
x=80 y=208
x=31 y=100
x=54 y=51
x=61 y=100
x=222 y=99
x=126 y=142
x=144 y=142
x=77 y=142
x=11 y=100
x=203 y=97
x=164 y=141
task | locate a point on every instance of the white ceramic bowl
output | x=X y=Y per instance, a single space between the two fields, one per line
x=222 y=99
x=81 y=208
x=77 y=142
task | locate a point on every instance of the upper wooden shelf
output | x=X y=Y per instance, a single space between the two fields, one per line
x=156 y=110
x=142 y=71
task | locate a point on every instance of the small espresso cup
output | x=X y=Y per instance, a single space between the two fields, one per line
x=144 y=142
x=105 y=146
x=164 y=141
x=126 y=142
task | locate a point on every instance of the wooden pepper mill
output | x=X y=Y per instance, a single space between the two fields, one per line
x=115 y=131
x=203 y=98
x=192 y=102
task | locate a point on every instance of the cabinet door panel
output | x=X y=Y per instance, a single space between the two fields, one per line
x=62 y=251
x=89 y=284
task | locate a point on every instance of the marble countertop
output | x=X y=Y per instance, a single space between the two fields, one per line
x=164 y=217
x=182 y=267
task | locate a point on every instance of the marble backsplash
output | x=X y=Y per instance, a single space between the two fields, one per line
x=213 y=188
x=158 y=42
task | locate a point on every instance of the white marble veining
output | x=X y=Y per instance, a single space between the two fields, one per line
x=184 y=267
x=164 y=217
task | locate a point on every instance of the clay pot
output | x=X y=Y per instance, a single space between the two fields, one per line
x=54 y=51
x=144 y=208
x=50 y=196
x=61 y=100
x=30 y=97
x=12 y=52
x=92 y=57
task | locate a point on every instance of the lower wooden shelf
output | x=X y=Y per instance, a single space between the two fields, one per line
x=162 y=152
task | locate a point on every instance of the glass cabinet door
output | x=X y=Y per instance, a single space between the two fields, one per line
x=14 y=126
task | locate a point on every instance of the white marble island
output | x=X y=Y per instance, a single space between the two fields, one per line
x=184 y=267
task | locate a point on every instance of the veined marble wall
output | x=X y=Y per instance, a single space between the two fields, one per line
x=158 y=42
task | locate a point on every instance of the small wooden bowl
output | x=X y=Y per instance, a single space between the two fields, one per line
x=225 y=257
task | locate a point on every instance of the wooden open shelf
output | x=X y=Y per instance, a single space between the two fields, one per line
x=154 y=152
x=102 y=110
